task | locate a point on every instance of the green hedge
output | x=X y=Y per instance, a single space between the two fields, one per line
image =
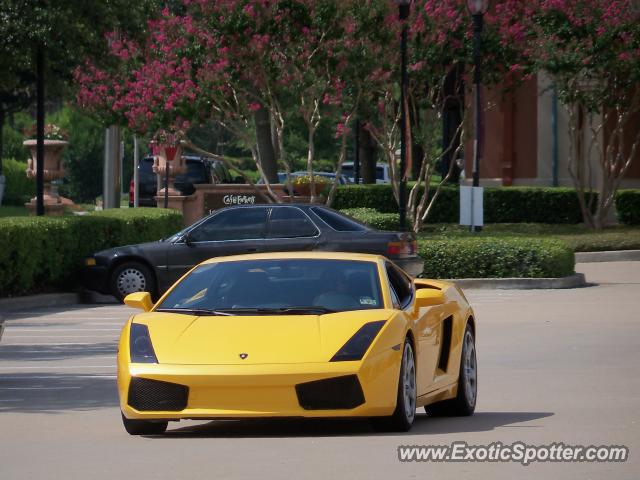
x=496 y=258
x=628 y=206
x=18 y=188
x=501 y=204
x=41 y=254
x=373 y=218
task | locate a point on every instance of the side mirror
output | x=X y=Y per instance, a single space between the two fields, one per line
x=428 y=297
x=187 y=239
x=140 y=300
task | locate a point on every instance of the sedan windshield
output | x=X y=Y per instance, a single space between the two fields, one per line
x=283 y=287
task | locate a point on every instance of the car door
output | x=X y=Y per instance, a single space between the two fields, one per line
x=426 y=328
x=231 y=231
x=289 y=229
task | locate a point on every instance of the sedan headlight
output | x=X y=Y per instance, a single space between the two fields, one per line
x=140 y=346
x=357 y=345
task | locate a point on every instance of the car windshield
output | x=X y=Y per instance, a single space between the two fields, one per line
x=280 y=286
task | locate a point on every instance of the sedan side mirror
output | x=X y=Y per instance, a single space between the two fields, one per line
x=140 y=300
x=187 y=239
x=428 y=297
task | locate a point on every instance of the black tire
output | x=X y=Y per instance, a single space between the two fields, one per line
x=465 y=402
x=130 y=277
x=143 y=427
x=404 y=415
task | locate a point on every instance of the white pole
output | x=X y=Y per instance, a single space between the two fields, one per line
x=136 y=179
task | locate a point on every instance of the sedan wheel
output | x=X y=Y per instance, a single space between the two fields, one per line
x=131 y=277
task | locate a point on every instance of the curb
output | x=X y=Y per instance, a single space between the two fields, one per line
x=38 y=301
x=48 y=300
x=608 y=256
x=573 y=281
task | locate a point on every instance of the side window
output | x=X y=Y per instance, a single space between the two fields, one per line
x=290 y=222
x=401 y=285
x=394 y=297
x=235 y=224
x=338 y=221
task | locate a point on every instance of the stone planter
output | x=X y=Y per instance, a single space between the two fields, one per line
x=176 y=166
x=53 y=170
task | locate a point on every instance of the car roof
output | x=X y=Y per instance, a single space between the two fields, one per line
x=368 y=257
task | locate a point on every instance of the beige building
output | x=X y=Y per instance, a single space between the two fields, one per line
x=527 y=139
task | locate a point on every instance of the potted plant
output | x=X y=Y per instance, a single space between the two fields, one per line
x=167 y=151
x=302 y=185
x=55 y=141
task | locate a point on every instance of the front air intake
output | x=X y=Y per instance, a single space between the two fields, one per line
x=339 y=393
x=153 y=395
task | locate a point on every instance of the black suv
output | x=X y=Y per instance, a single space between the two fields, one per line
x=199 y=170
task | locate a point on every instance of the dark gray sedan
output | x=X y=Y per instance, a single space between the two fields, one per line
x=155 y=266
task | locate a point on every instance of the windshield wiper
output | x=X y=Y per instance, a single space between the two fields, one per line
x=281 y=310
x=194 y=311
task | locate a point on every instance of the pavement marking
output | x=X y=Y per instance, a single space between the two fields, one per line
x=56 y=329
x=9 y=336
x=41 y=388
x=54 y=343
x=40 y=367
x=41 y=377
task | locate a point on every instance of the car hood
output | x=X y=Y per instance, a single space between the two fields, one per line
x=220 y=340
x=128 y=249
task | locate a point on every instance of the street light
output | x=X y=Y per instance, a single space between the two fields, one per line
x=403 y=11
x=477 y=9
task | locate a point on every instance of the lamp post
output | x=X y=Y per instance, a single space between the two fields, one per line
x=403 y=13
x=477 y=9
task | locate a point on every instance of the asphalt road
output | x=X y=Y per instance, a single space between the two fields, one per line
x=555 y=366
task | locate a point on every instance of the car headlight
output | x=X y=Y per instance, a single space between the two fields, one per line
x=90 y=262
x=140 y=346
x=357 y=345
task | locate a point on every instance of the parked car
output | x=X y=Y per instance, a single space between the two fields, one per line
x=199 y=170
x=382 y=172
x=155 y=266
x=303 y=334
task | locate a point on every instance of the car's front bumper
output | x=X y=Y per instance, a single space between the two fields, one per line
x=245 y=391
x=95 y=277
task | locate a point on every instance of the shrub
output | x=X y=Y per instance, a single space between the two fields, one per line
x=45 y=253
x=18 y=188
x=501 y=204
x=628 y=206
x=373 y=218
x=487 y=257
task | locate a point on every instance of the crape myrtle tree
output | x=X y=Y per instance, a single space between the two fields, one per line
x=228 y=60
x=440 y=46
x=65 y=31
x=591 y=50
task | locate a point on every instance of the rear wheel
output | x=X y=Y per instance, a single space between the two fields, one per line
x=465 y=402
x=405 y=412
x=143 y=427
x=131 y=277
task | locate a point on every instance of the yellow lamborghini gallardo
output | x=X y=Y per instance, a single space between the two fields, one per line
x=302 y=334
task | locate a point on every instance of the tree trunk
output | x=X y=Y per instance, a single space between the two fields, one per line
x=367 y=156
x=266 y=151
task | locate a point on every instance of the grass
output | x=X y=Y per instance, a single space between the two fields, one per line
x=578 y=237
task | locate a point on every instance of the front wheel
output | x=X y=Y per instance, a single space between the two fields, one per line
x=405 y=412
x=465 y=402
x=143 y=427
x=131 y=277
